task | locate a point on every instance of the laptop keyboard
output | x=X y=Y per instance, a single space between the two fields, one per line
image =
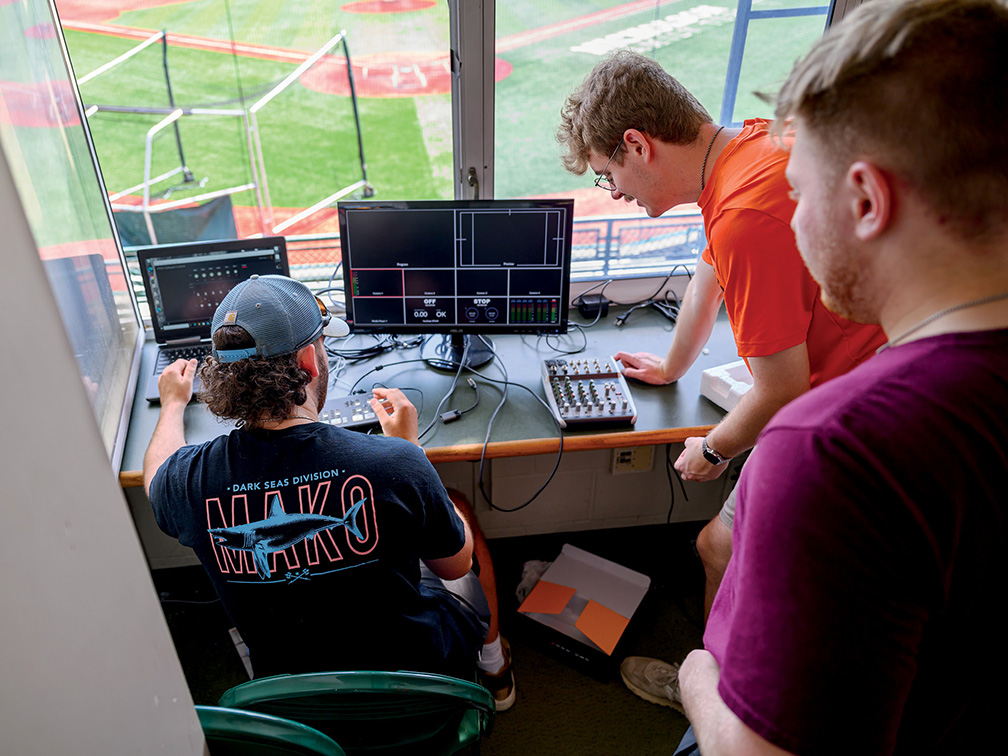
x=167 y=356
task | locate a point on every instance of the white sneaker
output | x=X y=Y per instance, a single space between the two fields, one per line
x=653 y=680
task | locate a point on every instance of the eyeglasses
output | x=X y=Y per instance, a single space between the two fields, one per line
x=602 y=181
x=326 y=315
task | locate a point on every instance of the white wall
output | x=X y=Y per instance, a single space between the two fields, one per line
x=87 y=665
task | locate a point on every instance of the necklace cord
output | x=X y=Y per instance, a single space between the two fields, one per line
x=940 y=314
x=703 y=170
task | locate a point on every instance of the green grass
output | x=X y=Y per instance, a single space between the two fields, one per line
x=308 y=137
x=529 y=100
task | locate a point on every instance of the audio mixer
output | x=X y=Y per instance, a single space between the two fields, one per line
x=588 y=391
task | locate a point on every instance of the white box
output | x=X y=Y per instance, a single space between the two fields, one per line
x=725 y=385
x=591 y=580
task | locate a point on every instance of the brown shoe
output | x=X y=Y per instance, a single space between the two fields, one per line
x=502 y=684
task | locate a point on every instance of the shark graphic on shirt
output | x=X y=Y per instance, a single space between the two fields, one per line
x=280 y=531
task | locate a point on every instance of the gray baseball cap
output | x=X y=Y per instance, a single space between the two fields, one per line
x=280 y=314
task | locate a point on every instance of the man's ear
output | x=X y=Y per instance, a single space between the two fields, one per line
x=871 y=199
x=638 y=144
x=306 y=360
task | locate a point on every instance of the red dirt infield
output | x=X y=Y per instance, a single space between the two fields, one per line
x=38 y=104
x=105 y=10
x=389 y=74
x=388 y=6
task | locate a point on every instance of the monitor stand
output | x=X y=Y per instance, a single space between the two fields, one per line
x=445 y=352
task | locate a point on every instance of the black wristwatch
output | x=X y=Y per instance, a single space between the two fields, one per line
x=712 y=456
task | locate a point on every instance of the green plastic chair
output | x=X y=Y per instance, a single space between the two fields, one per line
x=386 y=712
x=234 y=732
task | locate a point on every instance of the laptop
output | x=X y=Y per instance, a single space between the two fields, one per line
x=185 y=283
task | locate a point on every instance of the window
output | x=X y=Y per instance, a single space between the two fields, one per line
x=402 y=132
x=60 y=190
x=543 y=51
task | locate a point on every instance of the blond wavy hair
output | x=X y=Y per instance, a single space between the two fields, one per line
x=920 y=88
x=626 y=90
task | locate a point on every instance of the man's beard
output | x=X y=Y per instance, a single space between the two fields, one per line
x=322 y=361
x=842 y=282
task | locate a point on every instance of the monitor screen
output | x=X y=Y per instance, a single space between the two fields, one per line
x=185 y=282
x=457 y=267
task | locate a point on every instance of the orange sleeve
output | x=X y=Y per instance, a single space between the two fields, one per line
x=769 y=294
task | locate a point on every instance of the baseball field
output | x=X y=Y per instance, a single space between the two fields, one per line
x=226 y=55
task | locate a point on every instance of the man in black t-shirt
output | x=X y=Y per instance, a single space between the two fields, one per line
x=329 y=549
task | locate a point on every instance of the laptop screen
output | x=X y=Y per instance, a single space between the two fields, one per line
x=186 y=282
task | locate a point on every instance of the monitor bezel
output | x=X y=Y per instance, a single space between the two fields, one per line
x=185 y=249
x=561 y=327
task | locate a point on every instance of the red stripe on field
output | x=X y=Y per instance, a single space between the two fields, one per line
x=522 y=39
x=388 y=6
x=263 y=52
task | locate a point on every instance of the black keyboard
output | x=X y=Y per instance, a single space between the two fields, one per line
x=168 y=355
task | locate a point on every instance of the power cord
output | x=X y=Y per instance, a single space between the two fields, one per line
x=486 y=441
x=670 y=309
x=452 y=415
x=505 y=383
x=385 y=344
x=451 y=390
x=669 y=471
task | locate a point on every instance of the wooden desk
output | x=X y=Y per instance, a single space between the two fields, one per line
x=523 y=427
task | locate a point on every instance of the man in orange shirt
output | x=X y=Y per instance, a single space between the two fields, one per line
x=648 y=139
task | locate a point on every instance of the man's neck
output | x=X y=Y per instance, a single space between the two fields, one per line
x=962 y=289
x=300 y=414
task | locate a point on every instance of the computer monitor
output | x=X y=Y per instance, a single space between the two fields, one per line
x=457 y=268
x=185 y=282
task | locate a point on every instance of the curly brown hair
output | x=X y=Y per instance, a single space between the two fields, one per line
x=251 y=391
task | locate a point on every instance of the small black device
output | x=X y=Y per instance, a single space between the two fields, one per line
x=588 y=391
x=592 y=306
x=457 y=268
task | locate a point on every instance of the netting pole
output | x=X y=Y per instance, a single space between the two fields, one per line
x=368 y=190
x=187 y=175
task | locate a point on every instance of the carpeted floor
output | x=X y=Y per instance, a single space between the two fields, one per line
x=559 y=710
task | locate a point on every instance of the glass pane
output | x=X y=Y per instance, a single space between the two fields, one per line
x=544 y=50
x=277 y=141
x=42 y=135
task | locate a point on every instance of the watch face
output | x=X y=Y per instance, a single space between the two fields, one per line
x=710 y=455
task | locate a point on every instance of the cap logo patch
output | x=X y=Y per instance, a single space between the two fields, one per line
x=231 y=316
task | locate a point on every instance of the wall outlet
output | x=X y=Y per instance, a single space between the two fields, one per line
x=635 y=459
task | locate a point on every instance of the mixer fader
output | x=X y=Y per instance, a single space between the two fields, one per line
x=588 y=391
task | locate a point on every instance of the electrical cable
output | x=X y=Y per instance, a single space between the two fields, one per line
x=419 y=406
x=330 y=288
x=669 y=470
x=580 y=329
x=656 y=292
x=382 y=367
x=451 y=389
x=452 y=415
x=576 y=302
x=486 y=440
x=385 y=344
x=505 y=382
